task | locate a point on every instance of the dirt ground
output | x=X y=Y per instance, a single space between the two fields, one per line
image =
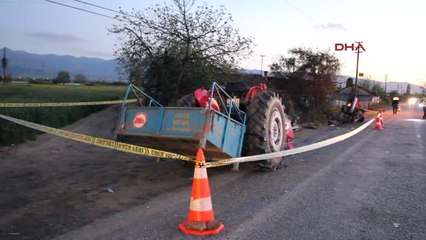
x=52 y=185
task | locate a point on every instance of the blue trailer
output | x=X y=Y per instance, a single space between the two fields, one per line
x=183 y=129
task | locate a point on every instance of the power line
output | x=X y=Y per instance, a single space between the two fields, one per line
x=19 y=2
x=301 y=12
x=97 y=6
x=105 y=8
x=80 y=9
x=94 y=5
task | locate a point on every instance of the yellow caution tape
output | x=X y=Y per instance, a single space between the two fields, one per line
x=101 y=142
x=283 y=153
x=63 y=104
x=375 y=111
x=125 y=147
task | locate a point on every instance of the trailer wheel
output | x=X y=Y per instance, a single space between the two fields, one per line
x=187 y=101
x=265 y=130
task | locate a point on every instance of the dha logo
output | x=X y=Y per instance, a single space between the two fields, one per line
x=345 y=47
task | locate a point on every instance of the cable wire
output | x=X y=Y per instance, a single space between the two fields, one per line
x=301 y=12
x=105 y=8
x=80 y=9
x=94 y=5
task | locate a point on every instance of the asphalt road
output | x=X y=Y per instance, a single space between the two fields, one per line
x=371 y=186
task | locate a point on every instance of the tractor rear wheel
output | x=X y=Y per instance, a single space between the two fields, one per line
x=265 y=129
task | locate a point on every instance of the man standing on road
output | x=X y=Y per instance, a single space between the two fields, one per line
x=395 y=101
x=424 y=107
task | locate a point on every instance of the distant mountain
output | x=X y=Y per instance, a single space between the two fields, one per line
x=24 y=64
x=400 y=87
x=251 y=71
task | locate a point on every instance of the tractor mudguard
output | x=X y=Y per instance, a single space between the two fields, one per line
x=253 y=91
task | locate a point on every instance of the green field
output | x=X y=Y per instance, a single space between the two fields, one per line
x=11 y=133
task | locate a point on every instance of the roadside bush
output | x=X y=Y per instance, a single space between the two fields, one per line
x=40 y=81
x=117 y=83
x=51 y=116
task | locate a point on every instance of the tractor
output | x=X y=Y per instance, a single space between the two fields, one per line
x=227 y=121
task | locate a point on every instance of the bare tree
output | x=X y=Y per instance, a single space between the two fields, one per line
x=62 y=77
x=80 y=78
x=173 y=47
x=366 y=83
x=312 y=73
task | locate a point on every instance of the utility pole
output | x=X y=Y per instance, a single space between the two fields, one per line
x=357 y=62
x=386 y=83
x=4 y=64
x=261 y=64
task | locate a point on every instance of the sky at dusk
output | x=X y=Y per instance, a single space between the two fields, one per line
x=391 y=31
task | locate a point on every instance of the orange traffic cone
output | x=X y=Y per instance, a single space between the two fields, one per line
x=399 y=108
x=381 y=116
x=378 y=124
x=200 y=220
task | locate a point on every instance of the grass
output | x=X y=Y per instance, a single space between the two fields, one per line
x=11 y=133
x=58 y=93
